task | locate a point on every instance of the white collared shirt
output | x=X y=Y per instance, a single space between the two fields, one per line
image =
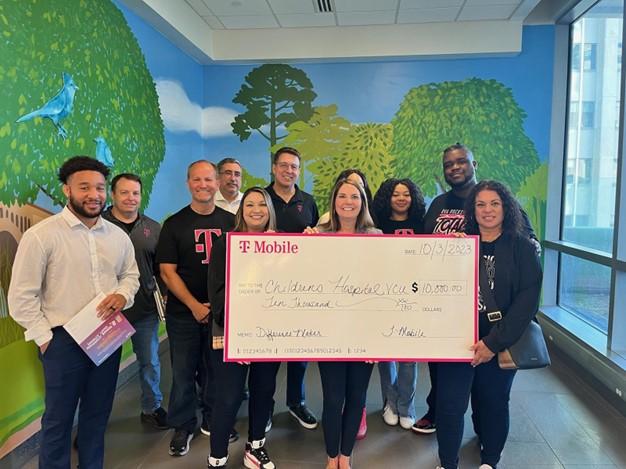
x=231 y=207
x=61 y=265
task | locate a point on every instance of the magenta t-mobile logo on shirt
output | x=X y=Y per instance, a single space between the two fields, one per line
x=204 y=241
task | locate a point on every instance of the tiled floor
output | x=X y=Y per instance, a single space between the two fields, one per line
x=557 y=421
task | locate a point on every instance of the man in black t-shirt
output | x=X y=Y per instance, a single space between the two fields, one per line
x=183 y=254
x=445 y=216
x=295 y=210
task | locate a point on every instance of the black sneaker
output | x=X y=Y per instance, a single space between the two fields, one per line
x=179 y=446
x=304 y=416
x=256 y=456
x=157 y=419
x=205 y=429
x=424 y=425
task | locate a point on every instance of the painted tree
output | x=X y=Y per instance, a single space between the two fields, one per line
x=482 y=114
x=115 y=99
x=249 y=180
x=365 y=148
x=320 y=137
x=274 y=95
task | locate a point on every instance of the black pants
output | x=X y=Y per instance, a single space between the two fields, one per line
x=230 y=380
x=344 y=388
x=490 y=388
x=431 y=399
x=189 y=346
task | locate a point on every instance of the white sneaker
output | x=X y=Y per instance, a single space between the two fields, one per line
x=407 y=422
x=389 y=416
x=485 y=466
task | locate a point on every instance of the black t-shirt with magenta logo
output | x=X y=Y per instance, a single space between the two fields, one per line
x=186 y=240
x=404 y=227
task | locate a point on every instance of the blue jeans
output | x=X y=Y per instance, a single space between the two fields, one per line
x=70 y=376
x=490 y=388
x=189 y=351
x=146 y=347
x=397 y=383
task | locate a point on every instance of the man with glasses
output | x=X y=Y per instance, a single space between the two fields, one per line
x=229 y=174
x=295 y=210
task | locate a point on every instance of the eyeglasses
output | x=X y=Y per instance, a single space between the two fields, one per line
x=231 y=173
x=294 y=167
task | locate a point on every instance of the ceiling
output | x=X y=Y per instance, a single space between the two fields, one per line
x=270 y=14
x=241 y=31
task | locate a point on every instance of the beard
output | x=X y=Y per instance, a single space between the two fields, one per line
x=456 y=184
x=79 y=209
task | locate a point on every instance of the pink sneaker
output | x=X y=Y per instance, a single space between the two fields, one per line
x=362 y=426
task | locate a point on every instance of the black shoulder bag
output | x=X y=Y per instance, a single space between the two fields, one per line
x=530 y=350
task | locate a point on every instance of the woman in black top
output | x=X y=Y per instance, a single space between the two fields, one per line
x=399 y=208
x=513 y=277
x=344 y=384
x=255 y=215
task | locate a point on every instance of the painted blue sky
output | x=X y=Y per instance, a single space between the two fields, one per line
x=363 y=92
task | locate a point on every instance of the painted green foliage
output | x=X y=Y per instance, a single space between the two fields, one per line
x=249 y=180
x=533 y=195
x=366 y=147
x=320 y=137
x=116 y=97
x=482 y=114
x=274 y=95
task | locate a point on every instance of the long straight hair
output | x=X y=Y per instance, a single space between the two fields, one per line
x=240 y=223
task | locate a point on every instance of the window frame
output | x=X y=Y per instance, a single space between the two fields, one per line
x=614 y=342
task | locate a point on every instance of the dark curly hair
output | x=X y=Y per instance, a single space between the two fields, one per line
x=512 y=223
x=382 y=200
x=81 y=163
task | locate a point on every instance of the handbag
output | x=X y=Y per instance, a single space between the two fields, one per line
x=530 y=351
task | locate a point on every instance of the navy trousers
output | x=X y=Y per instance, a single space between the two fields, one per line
x=490 y=388
x=70 y=376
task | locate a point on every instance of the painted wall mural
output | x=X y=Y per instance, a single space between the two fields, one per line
x=74 y=81
x=81 y=77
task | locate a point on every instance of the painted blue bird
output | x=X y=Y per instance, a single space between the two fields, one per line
x=58 y=107
x=103 y=152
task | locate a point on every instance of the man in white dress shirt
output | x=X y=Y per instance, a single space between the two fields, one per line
x=229 y=174
x=61 y=264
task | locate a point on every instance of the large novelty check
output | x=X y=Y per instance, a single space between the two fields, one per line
x=337 y=297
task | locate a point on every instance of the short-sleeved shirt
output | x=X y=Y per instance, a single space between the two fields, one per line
x=294 y=216
x=445 y=215
x=404 y=227
x=186 y=240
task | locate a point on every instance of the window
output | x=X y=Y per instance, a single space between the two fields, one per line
x=585 y=251
x=588 y=59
